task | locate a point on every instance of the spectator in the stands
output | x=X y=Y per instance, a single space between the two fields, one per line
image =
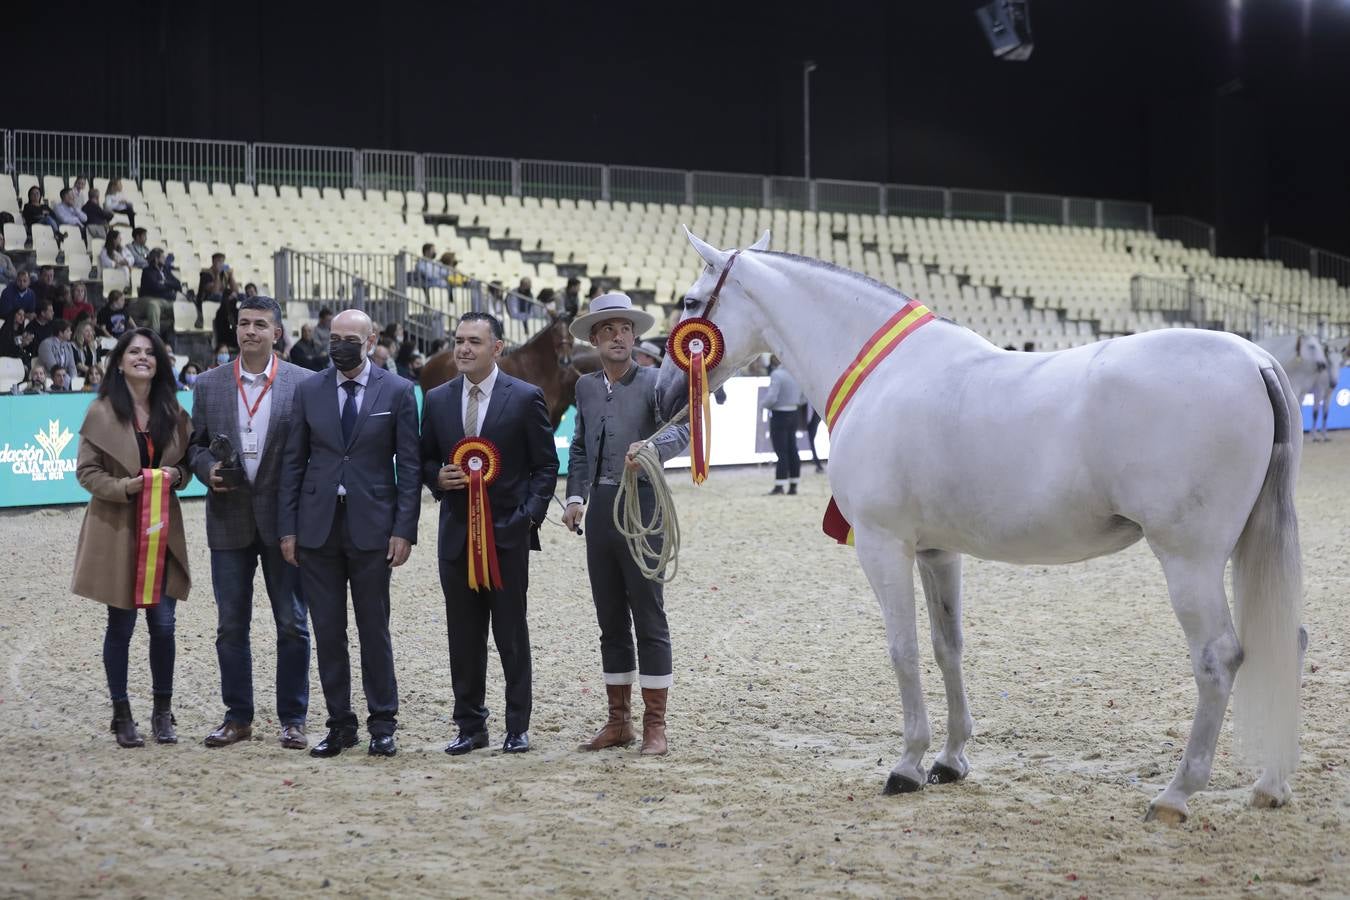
x=439 y=345
x=60 y=380
x=429 y=272
x=15 y=341
x=217 y=284
x=496 y=299
x=187 y=376
x=59 y=300
x=225 y=320
x=58 y=350
x=308 y=353
x=518 y=304
x=222 y=356
x=18 y=296
x=139 y=249
x=116 y=202
x=159 y=289
x=78 y=308
x=321 y=332
x=113 y=318
x=68 y=211
x=81 y=189
x=38 y=212
x=648 y=353
x=8 y=273
x=97 y=218
x=114 y=255
x=43 y=325
x=382 y=357
x=46 y=288
x=548 y=300
x=86 y=348
x=36 y=382
x=571 y=299
x=596 y=290
x=415 y=364
x=93 y=380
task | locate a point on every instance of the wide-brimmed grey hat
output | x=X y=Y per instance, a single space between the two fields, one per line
x=651 y=348
x=613 y=305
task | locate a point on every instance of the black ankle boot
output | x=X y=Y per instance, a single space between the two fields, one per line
x=124 y=727
x=162 y=722
x=792 y=488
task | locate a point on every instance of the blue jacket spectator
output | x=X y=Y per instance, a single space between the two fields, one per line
x=157 y=281
x=18 y=296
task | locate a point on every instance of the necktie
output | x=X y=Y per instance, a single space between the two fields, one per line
x=471 y=416
x=349 y=411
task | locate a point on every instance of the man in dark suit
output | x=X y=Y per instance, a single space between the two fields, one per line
x=349 y=501
x=249 y=402
x=486 y=402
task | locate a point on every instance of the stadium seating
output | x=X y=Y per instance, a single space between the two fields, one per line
x=1016 y=283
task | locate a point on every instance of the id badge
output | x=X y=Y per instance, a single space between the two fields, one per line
x=249 y=443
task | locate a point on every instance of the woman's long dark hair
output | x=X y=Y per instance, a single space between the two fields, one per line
x=164 y=408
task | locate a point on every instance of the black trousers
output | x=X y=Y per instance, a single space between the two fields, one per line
x=783 y=435
x=468 y=614
x=325 y=574
x=625 y=601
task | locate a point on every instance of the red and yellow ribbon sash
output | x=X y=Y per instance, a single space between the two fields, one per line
x=152 y=538
x=912 y=316
x=697 y=346
x=481 y=459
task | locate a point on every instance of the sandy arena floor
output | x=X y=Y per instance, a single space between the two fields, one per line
x=784 y=722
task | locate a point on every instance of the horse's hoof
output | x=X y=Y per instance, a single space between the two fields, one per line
x=899 y=784
x=1262 y=800
x=941 y=774
x=1167 y=815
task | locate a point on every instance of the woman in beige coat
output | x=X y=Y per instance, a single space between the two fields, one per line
x=136 y=423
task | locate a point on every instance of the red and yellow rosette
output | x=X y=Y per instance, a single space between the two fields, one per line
x=152 y=538
x=697 y=346
x=482 y=462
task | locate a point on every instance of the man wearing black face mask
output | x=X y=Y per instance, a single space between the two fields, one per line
x=349 y=501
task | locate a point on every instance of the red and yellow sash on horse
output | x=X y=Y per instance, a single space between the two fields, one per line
x=697 y=346
x=912 y=316
x=481 y=459
x=152 y=537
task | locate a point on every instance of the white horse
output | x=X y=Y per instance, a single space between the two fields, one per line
x=1303 y=358
x=1325 y=385
x=952 y=446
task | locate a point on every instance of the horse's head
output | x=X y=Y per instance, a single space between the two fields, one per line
x=719 y=294
x=1308 y=348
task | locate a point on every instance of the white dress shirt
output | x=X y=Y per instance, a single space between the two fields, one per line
x=361 y=379
x=485 y=386
x=253 y=384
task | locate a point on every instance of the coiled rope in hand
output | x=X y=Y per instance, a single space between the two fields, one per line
x=655 y=565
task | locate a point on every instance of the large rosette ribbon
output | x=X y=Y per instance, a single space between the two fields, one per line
x=697 y=346
x=482 y=461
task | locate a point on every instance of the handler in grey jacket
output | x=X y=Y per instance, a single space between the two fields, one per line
x=249 y=402
x=616 y=413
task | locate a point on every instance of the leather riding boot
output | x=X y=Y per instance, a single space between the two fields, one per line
x=124 y=727
x=654 y=721
x=162 y=721
x=618 y=730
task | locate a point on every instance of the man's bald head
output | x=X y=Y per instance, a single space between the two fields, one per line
x=352 y=322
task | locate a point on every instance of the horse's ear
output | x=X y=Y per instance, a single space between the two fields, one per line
x=711 y=255
x=762 y=243
x=1298 y=346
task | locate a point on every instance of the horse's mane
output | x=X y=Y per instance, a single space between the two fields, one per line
x=831 y=267
x=537 y=336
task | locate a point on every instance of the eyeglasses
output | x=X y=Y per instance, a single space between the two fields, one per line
x=334 y=340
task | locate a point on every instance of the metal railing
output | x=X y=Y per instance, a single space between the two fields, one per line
x=1190 y=232
x=315 y=278
x=65 y=154
x=1298 y=255
x=1222 y=307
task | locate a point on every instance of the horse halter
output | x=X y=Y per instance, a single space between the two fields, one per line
x=721 y=281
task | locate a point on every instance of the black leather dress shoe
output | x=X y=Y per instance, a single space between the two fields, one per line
x=383 y=745
x=516 y=742
x=338 y=739
x=464 y=742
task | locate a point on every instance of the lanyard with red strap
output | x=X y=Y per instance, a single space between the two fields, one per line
x=239 y=383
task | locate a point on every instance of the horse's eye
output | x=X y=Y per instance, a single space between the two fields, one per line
x=691 y=303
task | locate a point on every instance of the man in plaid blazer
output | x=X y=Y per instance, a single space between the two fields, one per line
x=249 y=402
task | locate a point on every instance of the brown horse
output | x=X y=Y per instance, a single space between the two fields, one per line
x=547 y=359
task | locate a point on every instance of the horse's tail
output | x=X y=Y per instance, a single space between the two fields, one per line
x=1268 y=598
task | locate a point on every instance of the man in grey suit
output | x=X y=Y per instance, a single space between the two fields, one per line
x=348 y=507
x=249 y=403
